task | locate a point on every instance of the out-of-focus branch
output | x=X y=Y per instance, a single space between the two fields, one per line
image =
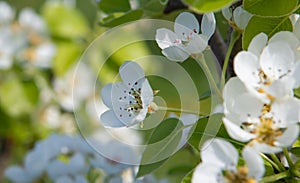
x=173 y=5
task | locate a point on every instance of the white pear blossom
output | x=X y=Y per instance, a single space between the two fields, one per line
x=270 y=67
x=74 y=87
x=239 y=17
x=129 y=101
x=31 y=21
x=220 y=164
x=186 y=40
x=268 y=127
x=6 y=13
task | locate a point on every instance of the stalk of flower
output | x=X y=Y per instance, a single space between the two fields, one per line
x=220 y=164
x=268 y=126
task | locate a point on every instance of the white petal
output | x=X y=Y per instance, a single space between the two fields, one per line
x=277 y=59
x=254 y=163
x=248 y=107
x=165 y=38
x=220 y=153
x=35 y=163
x=246 y=67
x=6 y=12
x=236 y=132
x=176 y=53
x=287 y=37
x=264 y=148
x=17 y=175
x=208 y=173
x=106 y=95
x=208 y=24
x=56 y=168
x=64 y=179
x=130 y=72
x=281 y=87
x=44 y=55
x=286 y=111
x=241 y=17
x=80 y=179
x=227 y=13
x=258 y=43
x=76 y=164
x=289 y=136
x=185 y=24
x=296 y=74
x=197 y=44
x=30 y=20
x=233 y=88
x=146 y=93
x=110 y=120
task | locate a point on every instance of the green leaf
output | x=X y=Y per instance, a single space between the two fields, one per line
x=109 y=6
x=270 y=26
x=66 y=55
x=297 y=92
x=296 y=151
x=115 y=19
x=17 y=97
x=163 y=143
x=268 y=8
x=65 y=22
x=188 y=177
x=203 y=6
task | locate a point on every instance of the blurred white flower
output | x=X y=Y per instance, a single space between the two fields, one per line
x=74 y=87
x=269 y=126
x=7 y=14
x=31 y=21
x=185 y=40
x=129 y=100
x=220 y=164
x=273 y=69
x=239 y=16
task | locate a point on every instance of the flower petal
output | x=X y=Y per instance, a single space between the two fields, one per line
x=220 y=153
x=286 y=111
x=227 y=13
x=236 y=132
x=165 y=38
x=185 y=24
x=241 y=17
x=206 y=172
x=264 y=148
x=297 y=28
x=110 y=120
x=296 y=74
x=106 y=95
x=17 y=175
x=247 y=68
x=258 y=43
x=254 y=163
x=176 y=53
x=287 y=37
x=197 y=44
x=281 y=87
x=289 y=136
x=130 y=72
x=277 y=59
x=208 y=24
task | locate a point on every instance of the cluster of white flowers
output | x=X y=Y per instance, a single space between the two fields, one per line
x=69 y=159
x=25 y=40
x=259 y=104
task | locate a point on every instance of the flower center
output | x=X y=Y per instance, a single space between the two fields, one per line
x=240 y=176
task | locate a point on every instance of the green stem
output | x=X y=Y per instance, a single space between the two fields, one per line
x=276 y=160
x=270 y=161
x=234 y=37
x=210 y=77
x=171 y=109
x=288 y=157
x=273 y=178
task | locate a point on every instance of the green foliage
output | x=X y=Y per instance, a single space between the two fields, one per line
x=65 y=22
x=270 y=26
x=117 y=6
x=270 y=8
x=115 y=19
x=162 y=143
x=207 y=5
